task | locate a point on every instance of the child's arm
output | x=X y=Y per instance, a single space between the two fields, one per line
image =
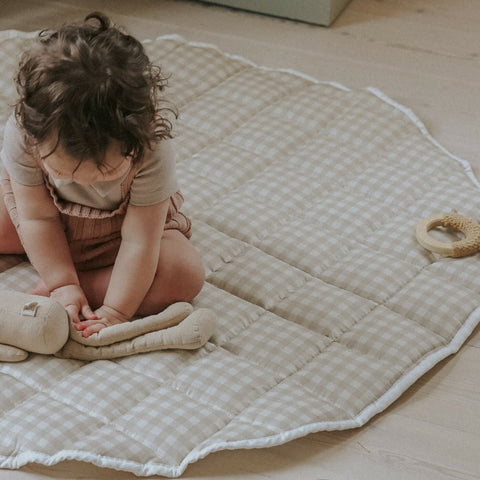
x=47 y=248
x=135 y=266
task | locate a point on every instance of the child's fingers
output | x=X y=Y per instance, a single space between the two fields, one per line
x=87 y=327
x=88 y=313
x=73 y=312
x=82 y=325
x=93 y=329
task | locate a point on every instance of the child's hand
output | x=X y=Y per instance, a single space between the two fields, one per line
x=72 y=298
x=105 y=317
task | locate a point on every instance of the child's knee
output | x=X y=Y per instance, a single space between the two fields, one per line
x=186 y=270
x=189 y=276
x=195 y=280
x=179 y=281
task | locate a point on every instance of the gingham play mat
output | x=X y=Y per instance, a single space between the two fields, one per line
x=305 y=196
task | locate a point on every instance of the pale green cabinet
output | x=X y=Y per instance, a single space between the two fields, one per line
x=322 y=12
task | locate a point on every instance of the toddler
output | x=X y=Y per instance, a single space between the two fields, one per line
x=89 y=186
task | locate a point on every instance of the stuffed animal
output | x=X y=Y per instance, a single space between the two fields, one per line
x=31 y=323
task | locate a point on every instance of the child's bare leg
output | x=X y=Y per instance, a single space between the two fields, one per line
x=10 y=243
x=9 y=240
x=180 y=276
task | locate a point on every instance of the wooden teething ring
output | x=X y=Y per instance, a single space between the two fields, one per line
x=467 y=246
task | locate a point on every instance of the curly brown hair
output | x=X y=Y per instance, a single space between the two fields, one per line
x=88 y=84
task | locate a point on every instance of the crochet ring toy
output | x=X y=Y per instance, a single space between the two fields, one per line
x=461 y=248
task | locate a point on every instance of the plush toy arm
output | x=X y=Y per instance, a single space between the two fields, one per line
x=169 y=317
x=191 y=333
x=12 y=354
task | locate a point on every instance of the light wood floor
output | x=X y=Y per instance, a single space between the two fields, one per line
x=424 y=54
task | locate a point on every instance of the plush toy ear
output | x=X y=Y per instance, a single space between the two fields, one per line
x=30 y=323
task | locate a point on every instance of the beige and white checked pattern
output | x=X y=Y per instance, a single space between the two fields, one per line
x=339 y=376
x=428 y=291
x=324 y=308
x=304 y=198
x=225 y=165
x=368 y=274
x=369 y=125
x=387 y=335
x=462 y=272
